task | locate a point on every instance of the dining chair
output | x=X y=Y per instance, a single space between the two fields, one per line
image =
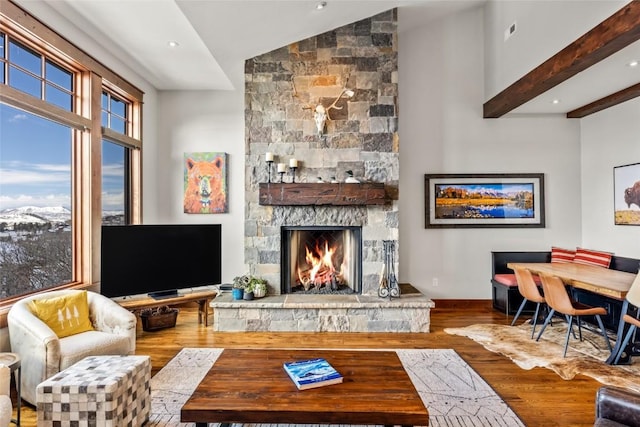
x=633 y=298
x=558 y=300
x=530 y=292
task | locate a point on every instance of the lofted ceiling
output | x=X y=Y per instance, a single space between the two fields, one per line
x=589 y=75
x=215 y=37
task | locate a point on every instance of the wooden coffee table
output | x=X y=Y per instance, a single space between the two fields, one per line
x=250 y=386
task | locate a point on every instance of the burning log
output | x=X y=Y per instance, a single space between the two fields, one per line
x=324 y=277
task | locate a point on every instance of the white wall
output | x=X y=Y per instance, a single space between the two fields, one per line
x=198 y=121
x=442 y=89
x=441 y=131
x=441 y=85
x=543 y=28
x=609 y=138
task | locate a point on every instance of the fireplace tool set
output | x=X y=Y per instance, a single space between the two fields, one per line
x=388 y=283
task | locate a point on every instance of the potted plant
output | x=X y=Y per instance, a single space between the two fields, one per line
x=248 y=292
x=255 y=286
x=239 y=285
x=259 y=287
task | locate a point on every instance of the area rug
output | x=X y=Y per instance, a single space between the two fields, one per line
x=585 y=357
x=452 y=391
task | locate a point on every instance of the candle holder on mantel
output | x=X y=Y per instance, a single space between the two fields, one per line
x=268 y=157
x=281 y=168
x=293 y=165
x=269 y=164
x=388 y=282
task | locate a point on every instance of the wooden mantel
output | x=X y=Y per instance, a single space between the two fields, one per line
x=307 y=194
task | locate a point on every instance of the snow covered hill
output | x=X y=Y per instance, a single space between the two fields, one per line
x=35 y=215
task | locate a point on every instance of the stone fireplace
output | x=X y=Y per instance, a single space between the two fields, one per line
x=360 y=137
x=360 y=140
x=321 y=260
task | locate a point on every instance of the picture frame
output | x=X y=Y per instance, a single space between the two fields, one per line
x=626 y=194
x=484 y=200
x=205 y=183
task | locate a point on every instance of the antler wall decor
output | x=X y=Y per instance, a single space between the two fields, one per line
x=321 y=113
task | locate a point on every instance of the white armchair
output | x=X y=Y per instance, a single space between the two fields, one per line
x=43 y=354
x=5 y=399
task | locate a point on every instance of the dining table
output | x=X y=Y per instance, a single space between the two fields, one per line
x=598 y=280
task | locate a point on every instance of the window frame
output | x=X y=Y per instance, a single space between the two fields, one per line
x=91 y=78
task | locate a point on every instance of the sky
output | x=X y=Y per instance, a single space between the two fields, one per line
x=35 y=159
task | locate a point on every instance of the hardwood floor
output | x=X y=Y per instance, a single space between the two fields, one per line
x=538 y=396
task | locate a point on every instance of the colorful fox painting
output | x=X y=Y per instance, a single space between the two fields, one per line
x=205 y=183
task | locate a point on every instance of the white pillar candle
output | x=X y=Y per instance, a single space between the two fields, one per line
x=269 y=157
x=282 y=167
x=293 y=163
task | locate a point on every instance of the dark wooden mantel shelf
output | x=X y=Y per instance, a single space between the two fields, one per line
x=306 y=194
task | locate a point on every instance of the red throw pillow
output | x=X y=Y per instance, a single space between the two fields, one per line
x=562 y=255
x=589 y=257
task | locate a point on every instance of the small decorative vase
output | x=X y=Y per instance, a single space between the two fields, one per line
x=237 y=293
x=248 y=296
x=259 y=292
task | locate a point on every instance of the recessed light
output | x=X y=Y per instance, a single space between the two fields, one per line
x=173 y=43
x=555 y=101
x=633 y=63
x=321 y=5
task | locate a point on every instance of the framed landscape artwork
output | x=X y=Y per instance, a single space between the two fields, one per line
x=626 y=194
x=205 y=183
x=484 y=200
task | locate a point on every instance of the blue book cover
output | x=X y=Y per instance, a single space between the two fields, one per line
x=312 y=373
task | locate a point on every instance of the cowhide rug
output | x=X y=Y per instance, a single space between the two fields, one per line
x=583 y=357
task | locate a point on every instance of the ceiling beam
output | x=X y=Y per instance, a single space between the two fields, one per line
x=611 y=35
x=606 y=102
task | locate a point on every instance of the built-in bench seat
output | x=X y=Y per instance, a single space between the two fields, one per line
x=504 y=288
x=507 y=298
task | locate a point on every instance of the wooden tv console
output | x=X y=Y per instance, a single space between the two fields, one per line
x=203 y=298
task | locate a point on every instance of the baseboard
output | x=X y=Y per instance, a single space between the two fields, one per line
x=463 y=304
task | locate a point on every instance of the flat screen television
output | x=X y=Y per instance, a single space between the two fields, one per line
x=159 y=260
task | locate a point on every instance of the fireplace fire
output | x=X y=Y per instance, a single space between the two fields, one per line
x=321 y=260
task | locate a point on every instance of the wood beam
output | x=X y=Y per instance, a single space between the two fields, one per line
x=606 y=102
x=611 y=35
x=316 y=194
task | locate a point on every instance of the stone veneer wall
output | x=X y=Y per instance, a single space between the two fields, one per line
x=362 y=136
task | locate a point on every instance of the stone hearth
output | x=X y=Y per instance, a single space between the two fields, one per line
x=332 y=313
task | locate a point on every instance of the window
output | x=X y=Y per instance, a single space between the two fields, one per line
x=114 y=184
x=114 y=114
x=35 y=203
x=51 y=143
x=31 y=73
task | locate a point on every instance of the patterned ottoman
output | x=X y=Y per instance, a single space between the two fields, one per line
x=109 y=391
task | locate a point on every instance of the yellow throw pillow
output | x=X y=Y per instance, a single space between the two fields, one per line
x=65 y=315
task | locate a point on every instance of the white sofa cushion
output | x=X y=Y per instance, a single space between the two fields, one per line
x=76 y=347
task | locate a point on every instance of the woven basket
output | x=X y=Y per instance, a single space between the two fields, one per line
x=157 y=321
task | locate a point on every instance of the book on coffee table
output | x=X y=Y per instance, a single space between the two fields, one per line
x=312 y=373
